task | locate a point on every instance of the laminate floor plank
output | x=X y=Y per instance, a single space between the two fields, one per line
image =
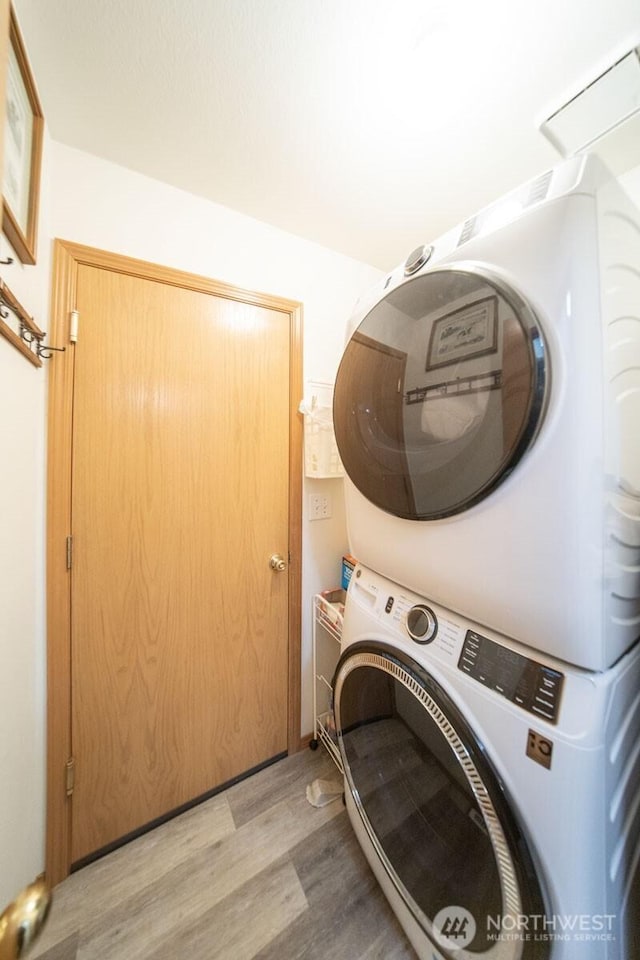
x=255 y=873
x=390 y=945
x=116 y=878
x=241 y=924
x=253 y=796
x=347 y=911
x=133 y=929
x=66 y=949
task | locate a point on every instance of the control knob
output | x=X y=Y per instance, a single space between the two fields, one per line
x=417 y=259
x=422 y=624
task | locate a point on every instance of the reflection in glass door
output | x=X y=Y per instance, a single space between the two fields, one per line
x=440 y=392
x=430 y=802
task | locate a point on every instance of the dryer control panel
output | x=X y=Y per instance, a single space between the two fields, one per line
x=527 y=683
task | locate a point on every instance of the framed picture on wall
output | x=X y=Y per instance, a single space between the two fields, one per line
x=24 y=124
x=463 y=334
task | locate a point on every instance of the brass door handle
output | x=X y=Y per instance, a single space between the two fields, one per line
x=277 y=563
x=23 y=919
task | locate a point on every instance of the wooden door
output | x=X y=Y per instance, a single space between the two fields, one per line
x=180 y=494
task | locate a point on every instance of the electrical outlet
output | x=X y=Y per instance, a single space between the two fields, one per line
x=319 y=506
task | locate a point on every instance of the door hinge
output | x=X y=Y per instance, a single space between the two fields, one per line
x=73 y=326
x=69 y=552
x=70 y=775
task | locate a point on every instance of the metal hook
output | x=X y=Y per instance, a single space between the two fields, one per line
x=7 y=261
x=27 y=335
x=44 y=350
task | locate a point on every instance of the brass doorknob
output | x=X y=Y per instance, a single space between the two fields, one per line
x=278 y=563
x=22 y=921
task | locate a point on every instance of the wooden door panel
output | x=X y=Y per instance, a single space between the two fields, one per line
x=179 y=497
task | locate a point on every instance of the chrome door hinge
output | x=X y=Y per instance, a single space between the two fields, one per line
x=69 y=552
x=74 y=316
x=70 y=775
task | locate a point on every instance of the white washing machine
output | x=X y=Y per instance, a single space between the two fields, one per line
x=495 y=794
x=487 y=412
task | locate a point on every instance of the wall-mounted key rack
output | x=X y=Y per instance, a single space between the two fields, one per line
x=30 y=339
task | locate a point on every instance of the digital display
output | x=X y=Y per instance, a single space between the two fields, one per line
x=527 y=683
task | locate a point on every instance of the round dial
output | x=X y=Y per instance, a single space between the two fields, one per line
x=416 y=259
x=422 y=624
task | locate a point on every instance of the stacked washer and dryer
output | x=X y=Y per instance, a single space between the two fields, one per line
x=487 y=698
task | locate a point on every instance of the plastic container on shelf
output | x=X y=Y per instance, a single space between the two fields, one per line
x=321 y=457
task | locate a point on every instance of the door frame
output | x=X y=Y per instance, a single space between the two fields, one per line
x=68 y=257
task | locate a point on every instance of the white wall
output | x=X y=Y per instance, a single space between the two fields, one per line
x=22 y=663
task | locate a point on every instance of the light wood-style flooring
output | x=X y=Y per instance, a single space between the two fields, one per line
x=254 y=872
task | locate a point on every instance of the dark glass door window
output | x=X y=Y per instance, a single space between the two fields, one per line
x=440 y=391
x=429 y=809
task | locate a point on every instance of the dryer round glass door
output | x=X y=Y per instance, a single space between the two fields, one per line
x=440 y=392
x=433 y=808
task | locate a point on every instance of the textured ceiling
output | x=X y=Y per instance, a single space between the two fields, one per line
x=369 y=126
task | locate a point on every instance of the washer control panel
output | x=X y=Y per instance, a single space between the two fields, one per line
x=527 y=683
x=422 y=624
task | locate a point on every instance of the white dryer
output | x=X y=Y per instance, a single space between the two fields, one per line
x=496 y=795
x=487 y=412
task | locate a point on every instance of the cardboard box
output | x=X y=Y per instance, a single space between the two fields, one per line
x=348 y=566
x=332 y=610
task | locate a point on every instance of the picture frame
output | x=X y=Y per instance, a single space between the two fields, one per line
x=466 y=333
x=24 y=124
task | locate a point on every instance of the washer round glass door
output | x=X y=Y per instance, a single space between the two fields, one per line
x=440 y=392
x=433 y=808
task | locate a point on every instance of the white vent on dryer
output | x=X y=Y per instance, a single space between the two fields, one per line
x=506 y=209
x=539 y=188
x=468 y=230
